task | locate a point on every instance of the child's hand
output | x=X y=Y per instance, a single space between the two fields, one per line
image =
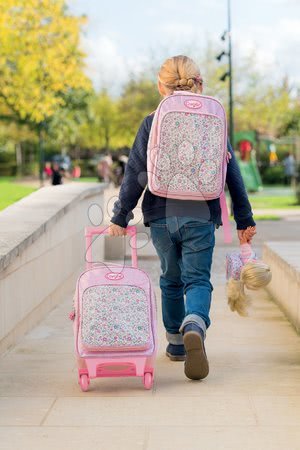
x=245 y=236
x=116 y=230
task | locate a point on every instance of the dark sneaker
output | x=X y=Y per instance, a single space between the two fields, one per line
x=175 y=352
x=196 y=364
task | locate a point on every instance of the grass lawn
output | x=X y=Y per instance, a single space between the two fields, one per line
x=266 y=217
x=270 y=202
x=87 y=179
x=263 y=217
x=11 y=191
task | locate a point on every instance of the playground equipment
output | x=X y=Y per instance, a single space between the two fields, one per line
x=250 y=173
x=245 y=141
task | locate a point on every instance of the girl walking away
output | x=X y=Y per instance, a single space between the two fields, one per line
x=182 y=230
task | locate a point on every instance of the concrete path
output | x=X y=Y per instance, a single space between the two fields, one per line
x=251 y=399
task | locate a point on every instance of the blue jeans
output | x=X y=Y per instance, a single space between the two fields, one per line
x=185 y=248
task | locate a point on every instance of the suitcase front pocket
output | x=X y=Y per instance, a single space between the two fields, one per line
x=115 y=318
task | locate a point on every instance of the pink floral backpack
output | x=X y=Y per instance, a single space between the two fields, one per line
x=187 y=150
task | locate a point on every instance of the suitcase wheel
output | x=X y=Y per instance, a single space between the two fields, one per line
x=84 y=382
x=148 y=380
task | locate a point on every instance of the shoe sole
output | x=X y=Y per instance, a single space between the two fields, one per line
x=175 y=358
x=196 y=364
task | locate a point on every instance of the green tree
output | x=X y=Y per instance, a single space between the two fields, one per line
x=40 y=61
x=101 y=127
x=139 y=98
x=261 y=106
x=64 y=127
x=291 y=123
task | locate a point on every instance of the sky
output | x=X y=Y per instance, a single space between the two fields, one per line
x=124 y=37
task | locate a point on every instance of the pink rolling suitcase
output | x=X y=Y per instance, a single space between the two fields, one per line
x=114 y=318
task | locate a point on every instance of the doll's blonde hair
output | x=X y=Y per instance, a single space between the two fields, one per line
x=254 y=275
x=180 y=73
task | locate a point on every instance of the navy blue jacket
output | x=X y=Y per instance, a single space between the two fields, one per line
x=154 y=207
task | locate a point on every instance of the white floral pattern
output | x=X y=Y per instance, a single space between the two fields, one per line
x=190 y=154
x=115 y=317
x=186 y=152
x=183 y=181
x=234 y=266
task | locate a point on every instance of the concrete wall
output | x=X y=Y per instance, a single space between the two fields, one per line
x=284 y=260
x=42 y=251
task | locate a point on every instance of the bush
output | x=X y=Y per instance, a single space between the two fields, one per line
x=30 y=169
x=273 y=175
x=87 y=169
x=8 y=169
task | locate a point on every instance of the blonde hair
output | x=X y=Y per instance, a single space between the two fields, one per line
x=254 y=275
x=180 y=73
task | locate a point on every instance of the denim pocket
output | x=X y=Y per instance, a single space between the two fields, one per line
x=198 y=235
x=160 y=236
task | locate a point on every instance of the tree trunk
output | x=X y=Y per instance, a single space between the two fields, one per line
x=107 y=138
x=63 y=151
x=77 y=152
x=41 y=153
x=19 y=159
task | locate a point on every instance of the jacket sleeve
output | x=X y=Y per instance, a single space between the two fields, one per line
x=242 y=211
x=135 y=178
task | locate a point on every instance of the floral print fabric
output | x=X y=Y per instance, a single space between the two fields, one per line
x=190 y=154
x=115 y=317
x=234 y=264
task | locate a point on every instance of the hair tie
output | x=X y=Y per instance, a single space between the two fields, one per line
x=199 y=79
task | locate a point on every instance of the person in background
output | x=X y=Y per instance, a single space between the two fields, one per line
x=76 y=172
x=289 y=168
x=117 y=170
x=48 y=170
x=103 y=169
x=122 y=161
x=57 y=174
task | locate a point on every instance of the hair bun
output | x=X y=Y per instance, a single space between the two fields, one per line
x=183 y=82
x=179 y=73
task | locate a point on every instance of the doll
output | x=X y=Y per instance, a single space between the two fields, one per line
x=244 y=270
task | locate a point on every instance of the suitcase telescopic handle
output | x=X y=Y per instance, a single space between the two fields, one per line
x=96 y=231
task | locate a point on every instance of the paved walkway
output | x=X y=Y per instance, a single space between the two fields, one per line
x=250 y=400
